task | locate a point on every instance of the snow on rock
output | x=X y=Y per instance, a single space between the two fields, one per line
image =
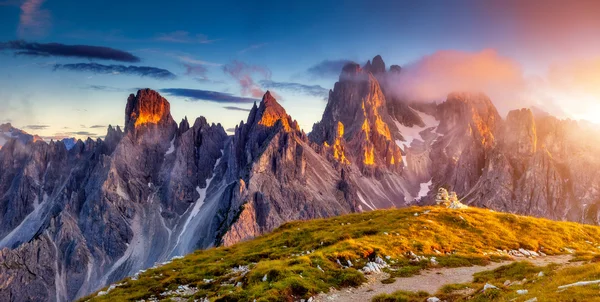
x=424 y=189
x=171 y=148
x=411 y=133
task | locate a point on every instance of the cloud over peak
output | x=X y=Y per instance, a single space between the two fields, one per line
x=311 y=90
x=245 y=75
x=327 y=68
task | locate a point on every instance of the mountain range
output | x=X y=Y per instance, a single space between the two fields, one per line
x=75 y=219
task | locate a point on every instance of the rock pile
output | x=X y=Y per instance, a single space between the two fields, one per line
x=448 y=200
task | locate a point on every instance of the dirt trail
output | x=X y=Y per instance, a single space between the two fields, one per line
x=430 y=280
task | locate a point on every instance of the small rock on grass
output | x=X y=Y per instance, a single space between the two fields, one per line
x=489 y=286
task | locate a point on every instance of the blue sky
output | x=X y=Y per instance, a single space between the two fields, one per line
x=216 y=47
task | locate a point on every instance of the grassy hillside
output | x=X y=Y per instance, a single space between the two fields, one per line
x=301 y=259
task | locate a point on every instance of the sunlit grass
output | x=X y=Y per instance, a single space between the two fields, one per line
x=299 y=259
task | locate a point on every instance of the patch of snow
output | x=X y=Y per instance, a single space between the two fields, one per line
x=28 y=226
x=59 y=279
x=172 y=147
x=425 y=188
x=364 y=202
x=198 y=204
x=411 y=133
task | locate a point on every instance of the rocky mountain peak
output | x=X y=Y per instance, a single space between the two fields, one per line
x=520 y=135
x=349 y=70
x=5 y=127
x=270 y=112
x=377 y=65
x=147 y=107
x=475 y=110
x=356 y=113
x=395 y=69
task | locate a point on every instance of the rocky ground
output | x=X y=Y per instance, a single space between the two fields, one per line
x=430 y=281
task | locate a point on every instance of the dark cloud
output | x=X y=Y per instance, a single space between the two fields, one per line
x=97 y=126
x=144 y=71
x=245 y=75
x=62 y=50
x=312 y=90
x=208 y=96
x=82 y=133
x=234 y=108
x=36 y=127
x=327 y=68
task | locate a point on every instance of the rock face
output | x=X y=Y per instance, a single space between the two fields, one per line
x=74 y=219
x=277 y=176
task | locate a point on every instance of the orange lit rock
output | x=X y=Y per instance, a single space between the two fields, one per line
x=369 y=156
x=147 y=107
x=150 y=117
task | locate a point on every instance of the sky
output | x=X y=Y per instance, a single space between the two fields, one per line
x=67 y=67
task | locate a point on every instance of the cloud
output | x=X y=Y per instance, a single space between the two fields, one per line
x=62 y=50
x=98 y=126
x=144 y=71
x=33 y=21
x=193 y=61
x=181 y=36
x=244 y=74
x=568 y=89
x=198 y=70
x=36 y=127
x=234 y=108
x=432 y=77
x=104 y=88
x=62 y=135
x=311 y=90
x=252 y=47
x=573 y=86
x=230 y=130
x=194 y=95
x=83 y=133
x=327 y=68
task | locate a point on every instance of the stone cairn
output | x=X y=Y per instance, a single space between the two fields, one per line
x=448 y=200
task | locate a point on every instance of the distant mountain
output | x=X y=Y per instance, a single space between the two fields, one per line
x=75 y=219
x=7 y=132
